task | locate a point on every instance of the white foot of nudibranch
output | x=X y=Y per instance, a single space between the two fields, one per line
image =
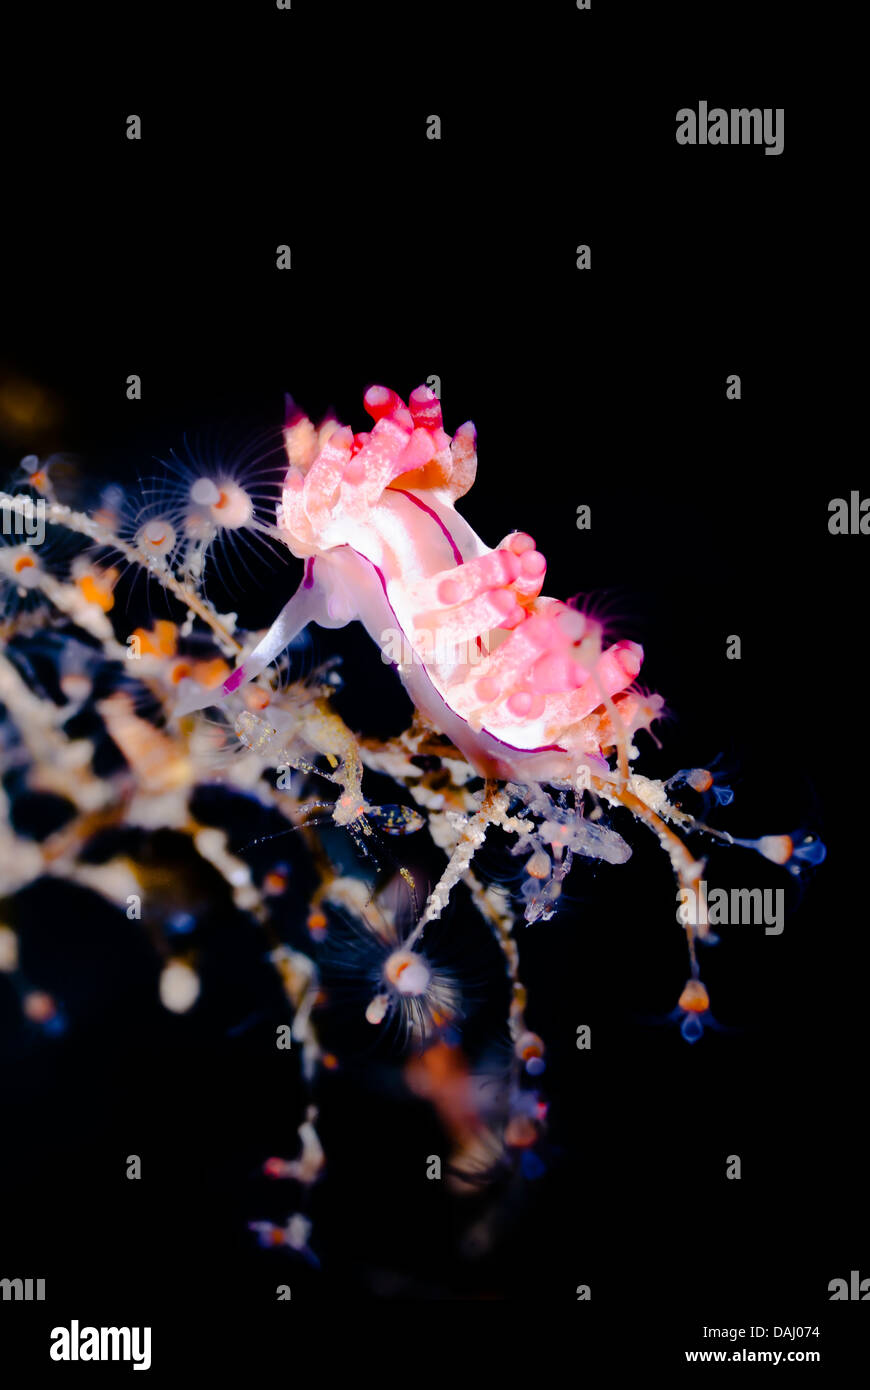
x=307 y=605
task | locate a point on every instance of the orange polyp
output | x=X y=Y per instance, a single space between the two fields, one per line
x=39 y=1006
x=97 y=592
x=694 y=998
x=377 y=1008
x=256 y=697
x=161 y=640
x=700 y=780
x=407 y=963
x=529 y=1045
x=235 y=507
x=24 y=562
x=180 y=671
x=520 y=1132
x=167 y=636
x=395 y=965
x=539 y=865
x=212 y=673
x=777 y=848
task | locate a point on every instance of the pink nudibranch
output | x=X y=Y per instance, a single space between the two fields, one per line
x=518 y=682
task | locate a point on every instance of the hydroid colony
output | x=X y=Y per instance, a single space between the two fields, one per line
x=526 y=719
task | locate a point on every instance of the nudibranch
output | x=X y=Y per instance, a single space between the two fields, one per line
x=519 y=682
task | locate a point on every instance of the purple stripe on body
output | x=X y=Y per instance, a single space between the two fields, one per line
x=541 y=748
x=457 y=553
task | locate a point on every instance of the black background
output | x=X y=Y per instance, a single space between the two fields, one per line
x=457 y=257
